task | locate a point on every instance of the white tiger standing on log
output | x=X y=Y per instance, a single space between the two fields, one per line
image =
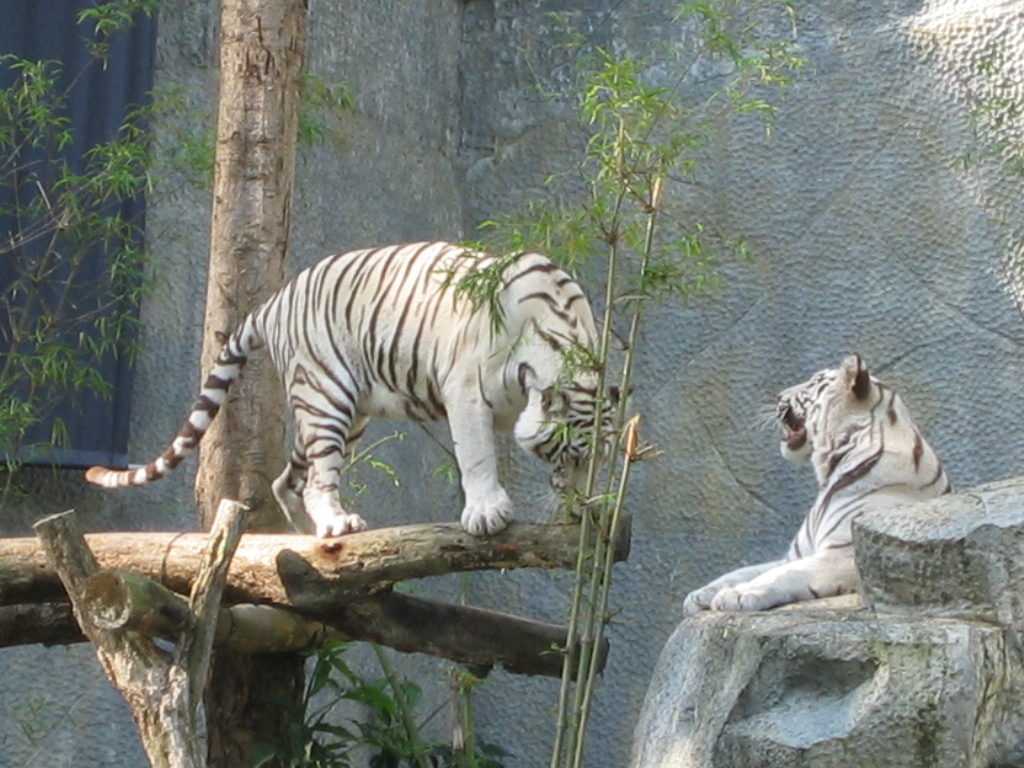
x=867 y=454
x=383 y=332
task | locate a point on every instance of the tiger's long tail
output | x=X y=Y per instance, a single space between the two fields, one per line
x=226 y=370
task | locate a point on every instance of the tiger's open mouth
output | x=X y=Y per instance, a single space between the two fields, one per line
x=794 y=433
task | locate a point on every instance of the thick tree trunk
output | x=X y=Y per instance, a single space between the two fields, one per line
x=262 y=46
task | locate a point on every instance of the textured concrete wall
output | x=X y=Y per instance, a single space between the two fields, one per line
x=866 y=233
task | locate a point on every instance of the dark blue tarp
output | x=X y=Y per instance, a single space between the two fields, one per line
x=100 y=94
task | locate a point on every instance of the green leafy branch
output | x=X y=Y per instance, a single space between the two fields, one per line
x=995 y=115
x=110 y=17
x=61 y=317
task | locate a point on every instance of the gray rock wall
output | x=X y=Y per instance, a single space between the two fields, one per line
x=866 y=234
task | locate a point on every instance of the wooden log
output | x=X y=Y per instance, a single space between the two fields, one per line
x=128 y=601
x=252 y=629
x=121 y=600
x=341 y=585
x=243 y=628
x=45 y=623
x=196 y=646
x=476 y=638
x=300 y=571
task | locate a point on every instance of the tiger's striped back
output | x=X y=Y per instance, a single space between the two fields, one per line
x=384 y=332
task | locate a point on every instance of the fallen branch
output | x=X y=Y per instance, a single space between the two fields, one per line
x=301 y=572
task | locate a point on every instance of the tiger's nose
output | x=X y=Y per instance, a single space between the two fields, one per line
x=569 y=476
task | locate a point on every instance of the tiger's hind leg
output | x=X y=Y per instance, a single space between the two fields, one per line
x=327 y=457
x=321 y=497
x=288 y=489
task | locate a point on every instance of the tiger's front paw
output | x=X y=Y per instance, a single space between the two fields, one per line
x=743 y=598
x=699 y=600
x=336 y=524
x=487 y=516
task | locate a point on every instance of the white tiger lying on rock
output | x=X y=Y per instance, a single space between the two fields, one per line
x=867 y=453
x=382 y=332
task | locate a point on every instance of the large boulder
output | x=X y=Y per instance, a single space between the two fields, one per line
x=923 y=670
x=957 y=555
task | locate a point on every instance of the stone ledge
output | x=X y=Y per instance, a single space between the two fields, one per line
x=961 y=554
x=813 y=686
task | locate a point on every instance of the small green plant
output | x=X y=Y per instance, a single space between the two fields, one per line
x=365 y=456
x=319 y=101
x=997 y=142
x=189 y=150
x=482 y=284
x=110 y=17
x=31 y=719
x=71 y=257
x=995 y=115
x=389 y=731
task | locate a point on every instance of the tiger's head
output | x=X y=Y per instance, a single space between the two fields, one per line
x=557 y=425
x=819 y=414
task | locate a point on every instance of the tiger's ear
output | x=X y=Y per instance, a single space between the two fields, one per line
x=857 y=374
x=547 y=398
x=615 y=396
